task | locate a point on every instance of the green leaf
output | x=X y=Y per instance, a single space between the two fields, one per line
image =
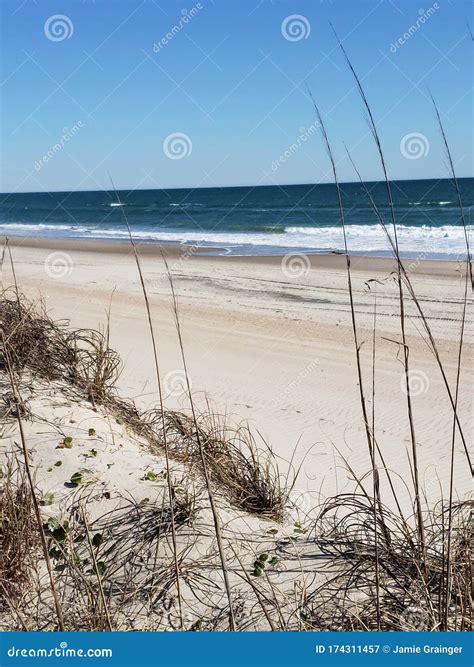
x=92 y=432
x=97 y=539
x=92 y=453
x=257 y=572
x=48 y=498
x=54 y=552
x=263 y=557
x=274 y=560
x=67 y=442
x=101 y=567
x=77 y=478
x=57 y=530
x=58 y=464
x=53 y=524
x=151 y=476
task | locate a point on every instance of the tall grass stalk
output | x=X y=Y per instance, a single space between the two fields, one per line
x=407 y=280
x=401 y=299
x=96 y=571
x=215 y=516
x=26 y=455
x=160 y=395
x=368 y=431
x=467 y=275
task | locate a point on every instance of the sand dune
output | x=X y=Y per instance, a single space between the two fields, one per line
x=273 y=346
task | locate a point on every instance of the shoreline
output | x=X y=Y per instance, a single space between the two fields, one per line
x=317 y=259
x=273 y=347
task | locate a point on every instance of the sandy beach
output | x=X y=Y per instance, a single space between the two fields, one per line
x=236 y=331
x=269 y=341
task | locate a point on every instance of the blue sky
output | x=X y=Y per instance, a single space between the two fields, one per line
x=232 y=79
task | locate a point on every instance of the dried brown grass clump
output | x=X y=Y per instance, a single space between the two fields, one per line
x=33 y=340
x=51 y=351
x=246 y=473
x=375 y=583
x=83 y=359
x=19 y=538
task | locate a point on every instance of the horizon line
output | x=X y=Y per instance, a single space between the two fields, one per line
x=224 y=187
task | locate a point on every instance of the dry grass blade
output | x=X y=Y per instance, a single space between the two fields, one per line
x=202 y=455
x=14 y=387
x=404 y=345
x=409 y=590
x=19 y=537
x=468 y=274
x=416 y=301
x=160 y=396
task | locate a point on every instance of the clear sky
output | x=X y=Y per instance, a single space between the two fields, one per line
x=107 y=86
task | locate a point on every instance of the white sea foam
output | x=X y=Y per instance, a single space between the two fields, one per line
x=361 y=238
x=20 y=226
x=443 y=240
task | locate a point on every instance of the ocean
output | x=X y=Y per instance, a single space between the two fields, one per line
x=253 y=220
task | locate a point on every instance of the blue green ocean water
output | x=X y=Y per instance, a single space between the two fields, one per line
x=253 y=220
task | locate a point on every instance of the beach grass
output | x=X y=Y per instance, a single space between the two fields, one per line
x=372 y=566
